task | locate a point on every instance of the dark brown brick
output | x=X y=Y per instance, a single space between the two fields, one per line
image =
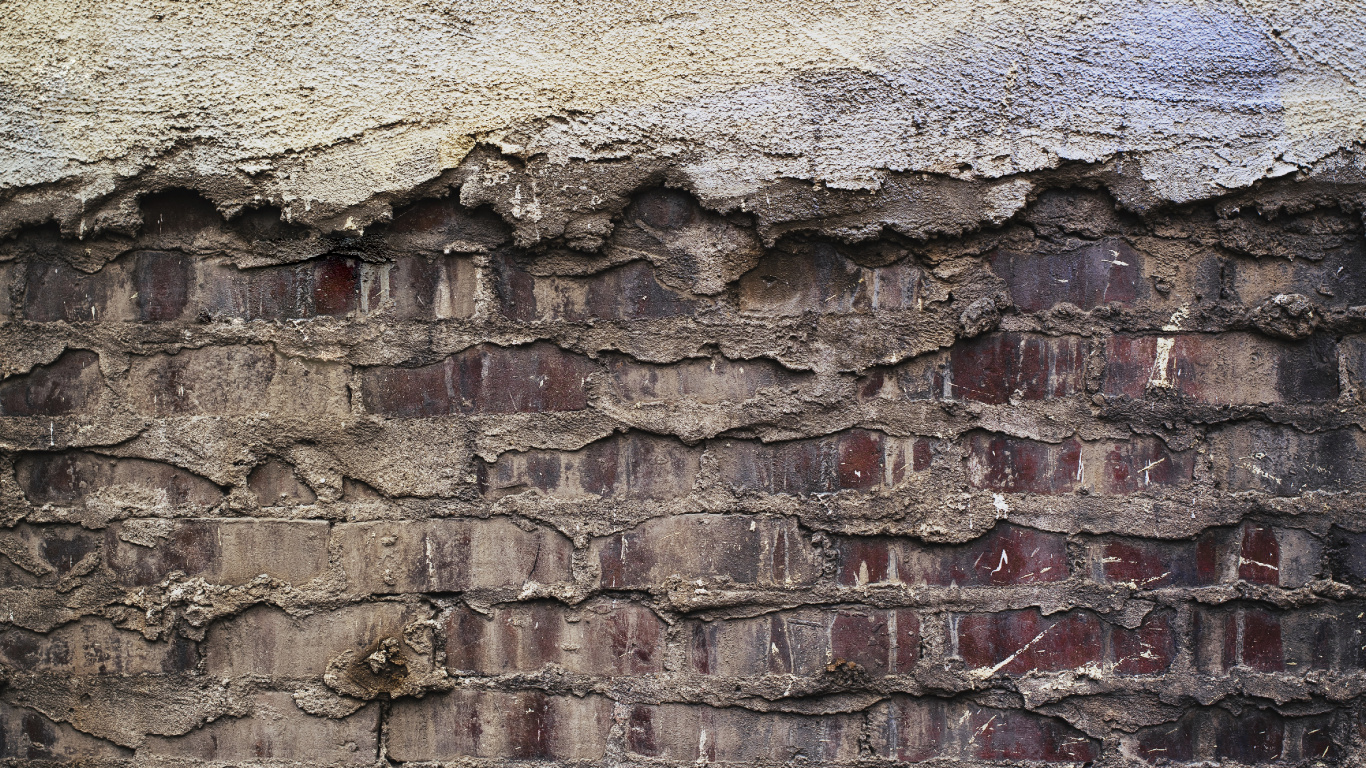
x=223 y=552
x=416 y=288
x=444 y=555
x=267 y=642
x=72 y=384
x=604 y=638
x=46 y=550
x=486 y=379
x=1091 y=276
x=631 y=466
x=1224 y=369
x=920 y=729
x=741 y=549
x=1016 y=642
x=494 y=724
x=806 y=642
x=821 y=280
x=856 y=460
x=276 y=729
x=629 y=292
x=94 y=647
x=77 y=478
x=1283 y=461
x=27 y=737
x=1007 y=555
x=1253 y=738
x=330 y=285
x=711 y=381
x=275 y=483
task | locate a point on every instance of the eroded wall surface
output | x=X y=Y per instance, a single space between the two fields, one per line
x=980 y=384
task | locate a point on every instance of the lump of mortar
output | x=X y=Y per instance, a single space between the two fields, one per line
x=1286 y=316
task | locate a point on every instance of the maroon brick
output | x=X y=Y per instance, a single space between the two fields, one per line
x=1239 y=636
x=73 y=477
x=1149 y=564
x=1171 y=742
x=222 y=551
x=94 y=647
x=1007 y=555
x=147 y=286
x=162 y=282
x=603 y=638
x=738 y=548
x=1016 y=642
x=1147 y=650
x=1260 y=558
x=820 y=279
x=1008 y=734
x=445 y=555
x=1283 y=461
x=686 y=733
x=236 y=380
x=630 y=466
x=629 y=292
x=1001 y=367
x=1256 y=737
x=494 y=724
x=916 y=729
x=1229 y=368
x=485 y=379
x=1095 y=274
x=72 y=384
x=275 y=483
x=856 y=460
x=806 y=642
x=1013 y=465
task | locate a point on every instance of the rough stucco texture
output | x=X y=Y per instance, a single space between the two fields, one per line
x=968 y=383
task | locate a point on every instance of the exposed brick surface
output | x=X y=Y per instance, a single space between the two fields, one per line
x=622 y=473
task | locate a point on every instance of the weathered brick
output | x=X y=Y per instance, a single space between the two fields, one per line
x=236 y=380
x=443 y=226
x=1348 y=556
x=603 y=638
x=276 y=729
x=1146 y=650
x=493 y=724
x=1283 y=461
x=145 y=286
x=49 y=549
x=1001 y=367
x=275 y=483
x=71 y=384
x=856 y=460
x=688 y=733
x=268 y=642
x=1093 y=275
x=1286 y=557
x=1018 y=642
x=331 y=285
x=27 y=736
x=1296 y=641
x=1254 y=737
x=1223 y=369
x=1008 y=554
x=820 y=279
x=75 y=478
x=738 y=548
x=630 y=466
x=711 y=381
x=879 y=642
x=629 y=292
x=222 y=551
x=416 y=288
x=1015 y=465
x=176 y=212
x=918 y=729
x=444 y=555
x=485 y=379
x=94 y=647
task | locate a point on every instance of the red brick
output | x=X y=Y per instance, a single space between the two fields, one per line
x=27 y=736
x=72 y=384
x=1152 y=564
x=276 y=729
x=485 y=379
x=1014 y=465
x=631 y=466
x=1238 y=636
x=94 y=647
x=603 y=638
x=1147 y=650
x=1091 y=276
x=821 y=280
x=494 y=724
x=1260 y=559
x=738 y=548
x=223 y=551
x=1283 y=461
x=1230 y=368
x=275 y=483
x=445 y=555
x=1016 y=642
x=1007 y=555
x=805 y=642
x=856 y=460
x=75 y=478
x=236 y=380
x=685 y=733
x=1001 y=367
x=711 y=381
x=920 y=729
x=629 y=292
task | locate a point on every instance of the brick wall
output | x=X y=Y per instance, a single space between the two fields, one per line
x=762 y=486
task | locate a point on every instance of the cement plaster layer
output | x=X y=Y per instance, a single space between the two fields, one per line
x=320 y=106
